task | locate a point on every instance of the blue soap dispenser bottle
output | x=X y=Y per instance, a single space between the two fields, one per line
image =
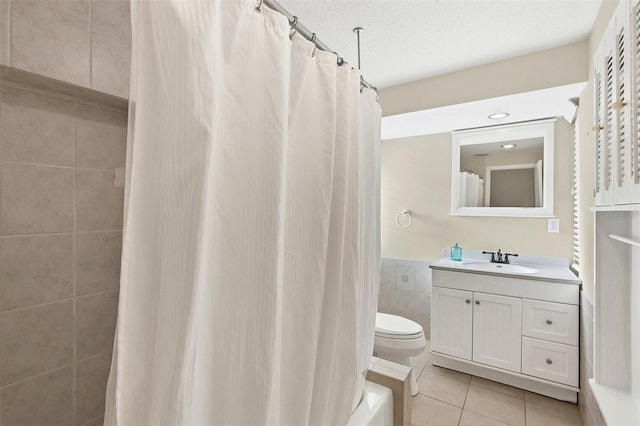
x=456 y=252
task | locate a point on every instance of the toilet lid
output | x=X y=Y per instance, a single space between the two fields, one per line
x=393 y=326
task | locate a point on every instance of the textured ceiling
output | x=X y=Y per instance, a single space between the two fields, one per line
x=409 y=40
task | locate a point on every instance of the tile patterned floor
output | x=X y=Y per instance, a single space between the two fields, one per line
x=448 y=397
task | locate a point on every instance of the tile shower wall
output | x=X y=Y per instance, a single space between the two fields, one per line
x=405 y=290
x=60 y=245
x=83 y=42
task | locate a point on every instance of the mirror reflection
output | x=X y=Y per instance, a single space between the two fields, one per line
x=503 y=170
x=502 y=174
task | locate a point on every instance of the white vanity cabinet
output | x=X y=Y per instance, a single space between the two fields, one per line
x=471 y=326
x=518 y=331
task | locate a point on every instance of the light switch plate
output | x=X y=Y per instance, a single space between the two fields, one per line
x=553 y=225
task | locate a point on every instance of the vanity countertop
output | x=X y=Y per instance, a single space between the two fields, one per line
x=540 y=268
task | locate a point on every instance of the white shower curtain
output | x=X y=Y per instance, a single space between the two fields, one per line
x=251 y=252
x=471 y=190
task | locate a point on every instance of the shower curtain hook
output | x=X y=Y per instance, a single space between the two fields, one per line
x=259 y=6
x=293 y=27
x=313 y=40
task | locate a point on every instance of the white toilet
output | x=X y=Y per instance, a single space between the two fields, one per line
x=397 y=339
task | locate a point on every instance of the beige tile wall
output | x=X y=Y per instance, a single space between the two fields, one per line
x=405 y=290
x=60 y=245
x=83 y=42
x=5 y=32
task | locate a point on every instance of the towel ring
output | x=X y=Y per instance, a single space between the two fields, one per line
x=404 y=213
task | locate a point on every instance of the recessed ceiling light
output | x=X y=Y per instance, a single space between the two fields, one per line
x=509 y=145
x=499 y=115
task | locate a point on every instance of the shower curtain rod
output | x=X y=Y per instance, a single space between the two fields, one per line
x=306 y=33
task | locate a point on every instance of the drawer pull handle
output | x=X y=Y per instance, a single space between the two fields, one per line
x=467 y=301
x=549 y=322
x=549 y=361
x=477 y=302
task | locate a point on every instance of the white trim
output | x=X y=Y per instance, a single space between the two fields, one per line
x=541 y=128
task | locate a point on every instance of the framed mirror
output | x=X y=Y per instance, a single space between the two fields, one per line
x=503 y=170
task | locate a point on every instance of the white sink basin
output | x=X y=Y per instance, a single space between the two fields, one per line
x=500 y=268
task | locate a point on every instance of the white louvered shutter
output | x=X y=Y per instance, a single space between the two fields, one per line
x=599 y=128
x=610 y=121
x=633 y=160
x=622 y=105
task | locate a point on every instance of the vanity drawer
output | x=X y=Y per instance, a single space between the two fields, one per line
x=550 y=361
x=556 y=322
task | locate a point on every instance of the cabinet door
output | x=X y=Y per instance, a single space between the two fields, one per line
x=550 y=361
x=451 y=321
x=497 y=329
x=622 y=104
x=557 y=322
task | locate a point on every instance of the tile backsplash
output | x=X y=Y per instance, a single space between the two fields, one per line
x=405 y=290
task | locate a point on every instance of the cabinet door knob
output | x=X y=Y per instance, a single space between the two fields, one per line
x=549 y=322
x=549 y=361
x=477 y=302
x=618 y=105
x=467 y=301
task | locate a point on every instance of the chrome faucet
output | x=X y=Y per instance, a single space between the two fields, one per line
x=499 y=257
